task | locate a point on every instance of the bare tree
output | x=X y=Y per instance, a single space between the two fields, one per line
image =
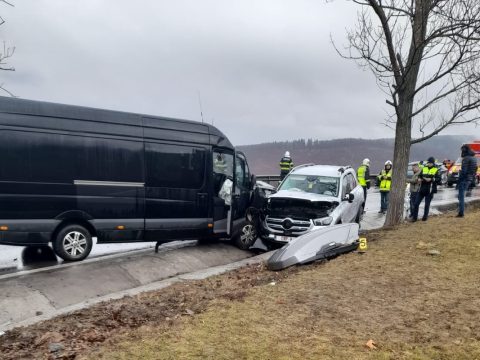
x=6 y=53
x=425 y=55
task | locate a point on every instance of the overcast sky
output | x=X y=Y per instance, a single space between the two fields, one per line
x=265 y=70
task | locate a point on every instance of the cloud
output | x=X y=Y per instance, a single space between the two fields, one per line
x=265 y=70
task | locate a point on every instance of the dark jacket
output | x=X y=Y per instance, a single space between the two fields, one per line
x=429 y=187
x=469 y=165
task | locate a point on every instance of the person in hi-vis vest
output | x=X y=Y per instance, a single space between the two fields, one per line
x=286 y=164
x=363 y=176
x=385 y=180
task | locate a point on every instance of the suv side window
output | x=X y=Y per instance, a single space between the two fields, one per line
x=353 y=182
x=345 y=186
x=348 y=185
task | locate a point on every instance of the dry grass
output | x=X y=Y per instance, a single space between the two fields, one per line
x=413 y=305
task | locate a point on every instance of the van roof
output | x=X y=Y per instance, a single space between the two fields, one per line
x=10 y=105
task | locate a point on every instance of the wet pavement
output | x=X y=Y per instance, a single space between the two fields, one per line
x=15 y=258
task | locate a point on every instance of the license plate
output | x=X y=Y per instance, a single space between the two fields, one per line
x=283 y=238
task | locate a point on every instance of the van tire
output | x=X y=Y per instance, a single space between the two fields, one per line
x=73 y=243
x=246 y=237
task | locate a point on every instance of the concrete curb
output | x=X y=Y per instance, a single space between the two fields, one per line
x=157 y=285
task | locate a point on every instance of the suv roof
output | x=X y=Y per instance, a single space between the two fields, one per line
x=320 y=170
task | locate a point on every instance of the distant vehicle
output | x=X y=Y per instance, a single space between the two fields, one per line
x=71 y=173
x=455 y=169
x=410 y=169
x=310 y=197
x=454 y=172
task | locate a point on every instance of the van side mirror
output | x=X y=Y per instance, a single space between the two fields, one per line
x=349 y=197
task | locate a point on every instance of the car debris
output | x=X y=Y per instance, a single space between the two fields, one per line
x=319 y=244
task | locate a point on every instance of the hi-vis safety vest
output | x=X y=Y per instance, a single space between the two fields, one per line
x=361 y=175
x=385 y=184
x=429 y=172
x=286 y=164
x=219 y=166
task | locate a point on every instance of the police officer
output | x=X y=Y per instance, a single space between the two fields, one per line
x=385 y=180
x=286 y=164
x=363 y=175
x=429 y=177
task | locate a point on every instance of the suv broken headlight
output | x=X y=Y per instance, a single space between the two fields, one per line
x=323 y=221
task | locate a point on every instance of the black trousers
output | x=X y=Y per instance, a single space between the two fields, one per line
x=283 y=173
x=428 y=196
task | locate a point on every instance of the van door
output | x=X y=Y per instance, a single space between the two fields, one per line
x=176 y=191
x=223 y=187
x=242 y=192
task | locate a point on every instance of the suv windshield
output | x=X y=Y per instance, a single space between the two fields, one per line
x=323 y=185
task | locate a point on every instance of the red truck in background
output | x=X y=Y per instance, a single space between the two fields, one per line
x=454 y=170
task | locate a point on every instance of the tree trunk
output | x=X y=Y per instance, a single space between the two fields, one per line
x=401 y=155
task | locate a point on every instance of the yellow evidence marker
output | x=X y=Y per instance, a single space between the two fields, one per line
x=362 y=245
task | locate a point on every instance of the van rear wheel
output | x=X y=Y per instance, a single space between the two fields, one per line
x=246 y=237
x=73 y=243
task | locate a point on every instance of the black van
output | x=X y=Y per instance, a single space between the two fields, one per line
x=70 y=173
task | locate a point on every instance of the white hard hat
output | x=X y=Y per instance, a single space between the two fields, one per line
x=366 y=162
x=287 y=153
x=388 y=162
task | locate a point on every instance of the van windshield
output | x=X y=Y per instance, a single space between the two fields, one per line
x=322 y=185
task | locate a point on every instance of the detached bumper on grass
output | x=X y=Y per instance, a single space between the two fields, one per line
x=316 y=245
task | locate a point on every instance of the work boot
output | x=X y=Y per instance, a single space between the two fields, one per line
x=424 y=219
x=459 y=215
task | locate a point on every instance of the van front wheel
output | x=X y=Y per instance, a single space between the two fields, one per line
x=247 y=236
x=73 y=243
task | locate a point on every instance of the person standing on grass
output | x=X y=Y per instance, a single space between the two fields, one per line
x=429 y=177
x=385 y=180
x=414 y=182
x=466 y=176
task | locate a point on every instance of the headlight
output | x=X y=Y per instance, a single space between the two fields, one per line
x=323 y=221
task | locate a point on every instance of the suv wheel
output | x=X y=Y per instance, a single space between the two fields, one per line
x=73 y=243
x=247 y=236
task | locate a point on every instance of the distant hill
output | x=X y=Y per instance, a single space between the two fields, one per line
x=264 y=158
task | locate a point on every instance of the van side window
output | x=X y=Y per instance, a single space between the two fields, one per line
x=175 y=166
x=223 y=163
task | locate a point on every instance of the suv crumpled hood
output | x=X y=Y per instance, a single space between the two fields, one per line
x=300 y=205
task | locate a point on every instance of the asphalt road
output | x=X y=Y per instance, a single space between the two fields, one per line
x=16 y=258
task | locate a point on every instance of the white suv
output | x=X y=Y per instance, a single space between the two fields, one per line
x=312 y=196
